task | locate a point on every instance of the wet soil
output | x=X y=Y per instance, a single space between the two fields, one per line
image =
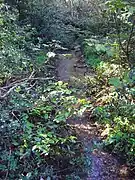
x=99 y=165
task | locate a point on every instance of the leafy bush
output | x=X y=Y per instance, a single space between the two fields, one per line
x=19 y=54
x=37 y=138
x=121 y=15
x=66 y=21
x=112 y=94
x=119 y=114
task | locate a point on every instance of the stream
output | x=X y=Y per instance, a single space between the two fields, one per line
x=99 y=165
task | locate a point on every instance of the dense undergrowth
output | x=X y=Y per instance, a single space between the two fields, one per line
x=112 y=93
x=35 y=140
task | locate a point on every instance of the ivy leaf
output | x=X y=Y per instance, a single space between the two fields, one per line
x=3 y=167
x=41 y=59
x=100 y=48
x=115 y=82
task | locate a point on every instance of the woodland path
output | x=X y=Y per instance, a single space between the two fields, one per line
x=100 y=165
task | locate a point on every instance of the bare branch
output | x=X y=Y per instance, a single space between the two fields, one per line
x=13 y=85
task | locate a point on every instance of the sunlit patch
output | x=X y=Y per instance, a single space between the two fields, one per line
x=124 y=171
x=51 y=54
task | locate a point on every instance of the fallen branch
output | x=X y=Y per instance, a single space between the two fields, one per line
x=7 y=173
x=13 y=85
x=8 y=92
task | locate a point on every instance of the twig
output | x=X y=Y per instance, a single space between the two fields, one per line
x=8 y=165
x=19 y=83
x=118 y=34
x=129 y=39
x=62 y=170
x=31 y=74
x=24 y=79
x=8 y=92
x=125 y=50
x=15 y=116
x=31 y=87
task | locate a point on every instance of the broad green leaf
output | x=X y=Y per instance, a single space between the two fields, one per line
x=115 y=82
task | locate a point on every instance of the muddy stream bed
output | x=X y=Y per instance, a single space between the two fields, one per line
x=100 y=165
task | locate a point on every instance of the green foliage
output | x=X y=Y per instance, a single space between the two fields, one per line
x=105 y=71
x=120 y=117
x=121 y=14
x=92 y=50
x=115 y=82
x=66 y=21
x=40 y=135
x=102 y=58
x=35 y=140
x=19 y=54
x=112 y=91
x=101 y=49
x=119 y=114
x=97 y=51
